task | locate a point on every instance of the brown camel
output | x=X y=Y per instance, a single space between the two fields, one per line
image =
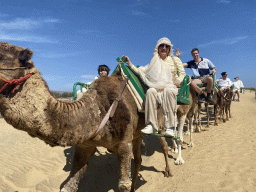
x=29 y=106
x=225 y=107
x=216 y=105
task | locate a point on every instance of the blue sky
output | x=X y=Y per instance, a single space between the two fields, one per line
x=70 y=38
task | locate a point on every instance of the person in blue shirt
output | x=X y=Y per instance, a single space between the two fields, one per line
x=201 y=68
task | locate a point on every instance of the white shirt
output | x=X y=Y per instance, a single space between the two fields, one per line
x=224 y=83
x=238 y=84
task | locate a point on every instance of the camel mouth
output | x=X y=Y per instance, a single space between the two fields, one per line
x=1 y=83
x=4 y=110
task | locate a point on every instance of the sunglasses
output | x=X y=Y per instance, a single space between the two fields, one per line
x=103 y=69
x=162 y=45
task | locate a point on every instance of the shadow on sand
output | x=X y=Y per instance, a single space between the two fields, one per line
x=102 y=172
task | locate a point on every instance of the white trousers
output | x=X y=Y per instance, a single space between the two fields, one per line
x=167 y=100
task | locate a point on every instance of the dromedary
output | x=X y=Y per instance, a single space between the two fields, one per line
x=216 y=103
x=225 y=107
x=27 y=105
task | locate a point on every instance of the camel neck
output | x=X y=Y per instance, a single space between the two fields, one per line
x=34 y=110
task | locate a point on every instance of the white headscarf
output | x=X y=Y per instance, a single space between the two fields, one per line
x=157 y=74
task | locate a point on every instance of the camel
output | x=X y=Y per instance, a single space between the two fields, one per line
x=28 y=105
x=216 y=105
x=225 y=107
x=197 y=116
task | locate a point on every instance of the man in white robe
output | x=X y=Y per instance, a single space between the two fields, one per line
x=158 y=76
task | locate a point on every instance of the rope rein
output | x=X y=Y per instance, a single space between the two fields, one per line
x=15 y=82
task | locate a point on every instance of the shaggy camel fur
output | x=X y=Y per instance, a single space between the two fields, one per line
x=33 y=109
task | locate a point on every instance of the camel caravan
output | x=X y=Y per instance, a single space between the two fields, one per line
x=111 y=113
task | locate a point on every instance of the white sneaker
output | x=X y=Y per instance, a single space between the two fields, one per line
x=169 y=132
x=148 y=129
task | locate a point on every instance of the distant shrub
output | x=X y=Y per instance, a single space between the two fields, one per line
x=64 y=94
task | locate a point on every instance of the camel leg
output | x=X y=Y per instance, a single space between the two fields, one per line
x=80 y=164
x=137 y=160
x=199 y=116
x=164 y=147
x=229 y=105
x=195 y=114
x=208 y=115
x=187 y=122
x=226 y=111
x=174 y=147
x=191 y=130
x=124 y=154
x=216 y=114
x=198 y=119
x=223 y=112
x=179 y=159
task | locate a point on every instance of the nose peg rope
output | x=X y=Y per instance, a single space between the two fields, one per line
x=15 y=82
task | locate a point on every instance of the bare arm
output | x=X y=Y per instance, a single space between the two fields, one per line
x=214 y=70
x=130 y=63
x=177 y=53
x=185 y=65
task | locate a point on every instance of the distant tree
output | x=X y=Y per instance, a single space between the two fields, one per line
x=67 y=94
x=56 y=94
x=64 y=94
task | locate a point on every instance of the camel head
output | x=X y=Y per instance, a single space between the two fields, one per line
x=14 y=60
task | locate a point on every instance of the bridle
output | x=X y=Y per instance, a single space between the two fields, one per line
x=15 y=82
x=13 y=68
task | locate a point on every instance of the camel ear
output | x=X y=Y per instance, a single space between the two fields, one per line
x=26 y=55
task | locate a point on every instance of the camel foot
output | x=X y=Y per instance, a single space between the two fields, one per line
x=215 y=124
x=187 y=133
x=124 y=186
x=174 y=150
x=191 y=145
x=197 y=130
x=167 y=173
x=179 y=161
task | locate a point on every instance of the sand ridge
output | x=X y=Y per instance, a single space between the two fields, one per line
x=223 y=159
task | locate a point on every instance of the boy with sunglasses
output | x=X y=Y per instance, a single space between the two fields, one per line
x=103 y=70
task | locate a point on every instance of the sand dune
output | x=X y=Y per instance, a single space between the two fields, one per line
x=223 y=159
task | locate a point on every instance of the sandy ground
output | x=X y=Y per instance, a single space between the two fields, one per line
x=223 y=159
